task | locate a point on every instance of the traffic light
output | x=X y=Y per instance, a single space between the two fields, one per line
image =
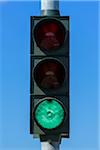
x=49 y=77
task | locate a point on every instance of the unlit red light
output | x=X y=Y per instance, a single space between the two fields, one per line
x=49 y=34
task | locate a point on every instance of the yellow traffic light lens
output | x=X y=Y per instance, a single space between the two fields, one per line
x=49 y=74
x=49 y=113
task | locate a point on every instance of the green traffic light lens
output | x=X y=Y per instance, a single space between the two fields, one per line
x=49 y=113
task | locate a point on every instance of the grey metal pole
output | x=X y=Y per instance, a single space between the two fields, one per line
x=49 y=7
x=50 y=145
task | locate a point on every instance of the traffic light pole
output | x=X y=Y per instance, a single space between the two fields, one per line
x=50 y=145
x=50 y=8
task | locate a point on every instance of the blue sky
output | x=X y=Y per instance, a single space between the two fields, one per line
x=15 y=75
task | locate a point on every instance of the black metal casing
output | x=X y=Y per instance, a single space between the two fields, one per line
x=62 y=93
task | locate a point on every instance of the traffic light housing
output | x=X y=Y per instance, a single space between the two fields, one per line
x=49 y=74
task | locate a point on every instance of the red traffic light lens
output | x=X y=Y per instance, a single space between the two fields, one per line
x=49 y=74
x=49 y=34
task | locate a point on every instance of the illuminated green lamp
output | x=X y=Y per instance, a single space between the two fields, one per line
x=49 y=113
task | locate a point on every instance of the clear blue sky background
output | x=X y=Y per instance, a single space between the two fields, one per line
x=15 y=74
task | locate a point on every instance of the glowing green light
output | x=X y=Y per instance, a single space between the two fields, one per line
x=49 y=113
